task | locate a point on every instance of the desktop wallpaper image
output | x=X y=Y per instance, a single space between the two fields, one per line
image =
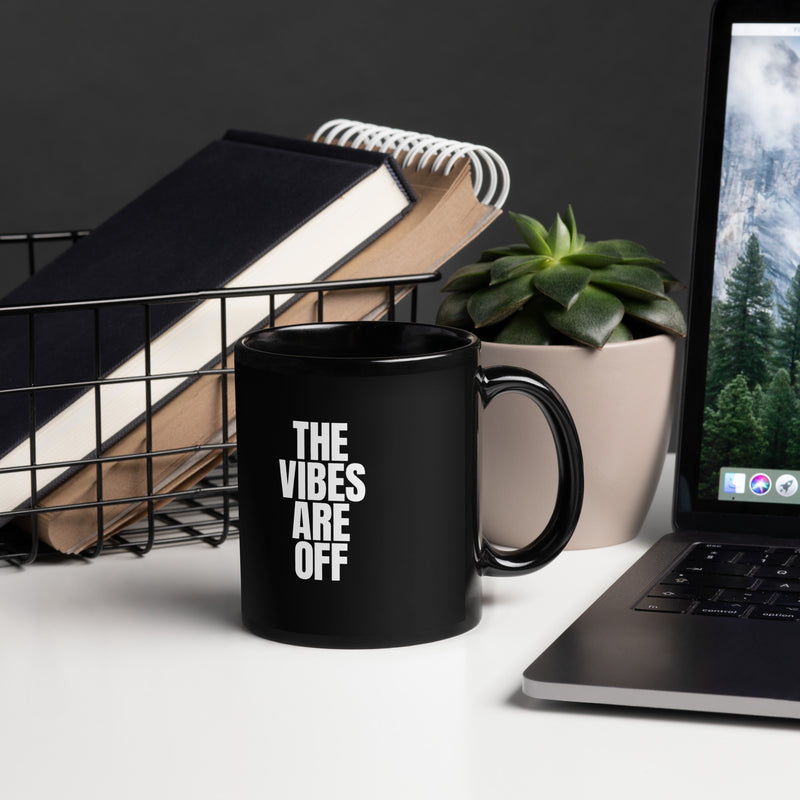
x=752 y=376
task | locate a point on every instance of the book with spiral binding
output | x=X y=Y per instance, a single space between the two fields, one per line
x=460 y=187
x=459 y=190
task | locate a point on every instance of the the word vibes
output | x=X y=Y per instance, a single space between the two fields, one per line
x=323 y=483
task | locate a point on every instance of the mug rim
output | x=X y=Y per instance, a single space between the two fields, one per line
x=462 y=340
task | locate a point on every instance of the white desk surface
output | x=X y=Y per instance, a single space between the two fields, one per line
x=126 y=677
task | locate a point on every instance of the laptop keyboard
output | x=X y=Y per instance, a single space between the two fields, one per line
x=725 y=581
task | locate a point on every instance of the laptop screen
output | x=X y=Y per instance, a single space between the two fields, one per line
x=742 y=400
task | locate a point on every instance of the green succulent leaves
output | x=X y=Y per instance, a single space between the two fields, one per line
x=559 y=287
x=563 y=283
x=591 y=319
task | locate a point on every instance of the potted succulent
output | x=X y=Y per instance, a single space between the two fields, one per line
x=595 y=320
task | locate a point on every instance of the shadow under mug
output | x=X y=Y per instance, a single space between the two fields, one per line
x=358 y=497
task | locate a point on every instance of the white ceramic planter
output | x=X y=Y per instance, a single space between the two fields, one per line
x=621 y=399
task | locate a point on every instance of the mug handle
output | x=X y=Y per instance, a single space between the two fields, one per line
x=492 y=382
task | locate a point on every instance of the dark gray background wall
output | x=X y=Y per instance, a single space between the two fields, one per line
x=592 y=102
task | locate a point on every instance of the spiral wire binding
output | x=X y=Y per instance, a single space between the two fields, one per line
x=442 y=154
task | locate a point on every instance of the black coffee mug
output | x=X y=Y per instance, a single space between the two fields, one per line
x=358 y=499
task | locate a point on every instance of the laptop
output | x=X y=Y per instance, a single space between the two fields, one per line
x=709 y=618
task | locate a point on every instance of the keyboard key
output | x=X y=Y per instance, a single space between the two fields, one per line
x=740 y=596
x=776 y=612
x=711 y=553
x=717 y=609
x=784 y=599
x=724 y=568
x=670 y=605
x=778 y=573
x=718 y=581
x=778 y=558
x=778 y=585
x=686 y=592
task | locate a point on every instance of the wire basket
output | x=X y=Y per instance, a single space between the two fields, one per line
x=207 y=510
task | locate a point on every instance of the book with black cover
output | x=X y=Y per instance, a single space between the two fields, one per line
x=247 y=210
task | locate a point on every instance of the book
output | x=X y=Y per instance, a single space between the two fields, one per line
x=458 y=195
x=247 y=210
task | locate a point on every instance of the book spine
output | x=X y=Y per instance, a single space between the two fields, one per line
x=325 y=149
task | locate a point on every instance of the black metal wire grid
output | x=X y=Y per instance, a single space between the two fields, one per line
x=208 y=510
